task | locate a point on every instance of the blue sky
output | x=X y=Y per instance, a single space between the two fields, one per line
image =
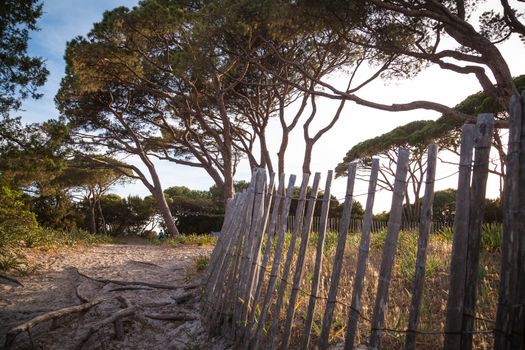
x=65 y=19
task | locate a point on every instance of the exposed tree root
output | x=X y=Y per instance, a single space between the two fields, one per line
x=116 y=319
x=183 y=298
x=10 y=281
x=80 y=296
x=138 y=283
x=84 y=334
x=27 y=326
x=144 y=263
x=119 y=289
x=181 y=318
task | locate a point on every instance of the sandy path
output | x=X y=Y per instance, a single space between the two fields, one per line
x=53 y=286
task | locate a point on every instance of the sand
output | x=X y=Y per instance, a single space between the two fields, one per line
x=55 y=282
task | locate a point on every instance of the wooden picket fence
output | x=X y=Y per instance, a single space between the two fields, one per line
x=254 y=284
x=334 y=224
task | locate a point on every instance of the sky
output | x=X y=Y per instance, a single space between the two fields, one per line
x=65 y=19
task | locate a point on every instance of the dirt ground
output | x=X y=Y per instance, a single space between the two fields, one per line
x=158 y=317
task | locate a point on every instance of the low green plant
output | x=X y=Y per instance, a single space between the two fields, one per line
x=446 y=234
x=377 y=239
x=201 y=262
x=10 y=260
x=191 y=239
x=491 y=237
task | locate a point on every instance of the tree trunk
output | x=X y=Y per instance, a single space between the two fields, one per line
x=101 y=216
x=92 y=219
x=165 y=211
x=265 y=154
x=158 y=194
x=307 y=160
x=228 y=189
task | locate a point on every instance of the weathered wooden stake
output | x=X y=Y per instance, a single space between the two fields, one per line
x=458 y=260
x=389 y=249
x=298 y=224
x=362 y=259
x=305 y=234
x=509 y=320
x=421 y=259
x=318 y=261
x=255 y=342
x=480 y=172
x=260 y=220
x=273 y=226
x=338 y=259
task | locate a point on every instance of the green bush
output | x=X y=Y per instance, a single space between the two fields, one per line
x=14 y=238
x=201 y=262
x=192 y=239
x=491 y=237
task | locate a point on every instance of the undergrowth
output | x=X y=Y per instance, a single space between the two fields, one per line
x=191 y=239
x=401 y=287
x=14 y=239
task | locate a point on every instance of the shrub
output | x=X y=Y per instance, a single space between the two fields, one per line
x=201 y=262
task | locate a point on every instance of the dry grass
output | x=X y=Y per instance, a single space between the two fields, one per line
x=432 y=317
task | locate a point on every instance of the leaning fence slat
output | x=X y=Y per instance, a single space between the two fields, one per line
x=276 y=263
x=228 y=239
x=305 y=233
x=510 y=266
x=364 y=246
x=298 y=220
x=253 y=248
x=480 y=172
x=271 y=232
x=221 y=249
x=454 y=314
x=260 y=228
x=338 y=259
x=226 y=273
x=318 y=260
x=518 y=327
x=424 y=232
x=519 y=319
x=389 y=249
x=242 y=254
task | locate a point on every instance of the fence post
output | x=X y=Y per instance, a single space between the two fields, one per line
x=298 y=224
x=510 y=319
x=277 y=202
x=483 y=143
x=457 y=275
x=276 y=262
x=305 y=234
x=224 y=266
x=424 y=231
x=362 y=258
x=339 y=255
x=261 y=224
x=250 y=220
x=389 y=249
x=318 y=261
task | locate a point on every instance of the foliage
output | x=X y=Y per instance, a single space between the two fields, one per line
x=20 y=74
x=445 y=206
x=188 y=239
x=201 y=262
x=13 y=211
x=124 y=216
x=56 y=211
x=491 y=237
x=195 y=211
